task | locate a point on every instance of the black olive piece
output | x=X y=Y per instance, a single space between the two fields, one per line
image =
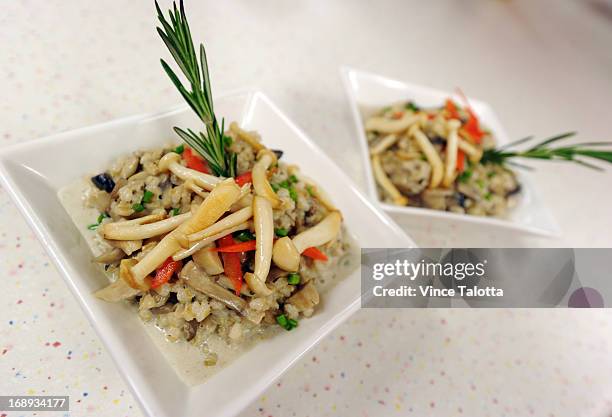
x=278 y=153
x=172 y=299
x=515 y=191
x=103 y=182
x=460 y=197
x=437 y=140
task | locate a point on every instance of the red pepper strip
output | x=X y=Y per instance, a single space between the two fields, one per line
x=165 y=272
x=195 y=162
x=460 y=160
x=244 y=178
x=231 y=263
x=315 y=253
x=247 y=246
x=397 y=115
x=472 y=126
x=451 y=108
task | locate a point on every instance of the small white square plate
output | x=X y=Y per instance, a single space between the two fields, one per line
x=369 y=92
x=33 y=173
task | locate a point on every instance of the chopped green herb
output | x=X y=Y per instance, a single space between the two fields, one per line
x=293 y=279
x=285 y=322
x=102 y=216
x=281 y=232
x=275 y=187
x=491 y=174
x=284 y=184
x=411 y=106
x=175 y=211
x=228 y=141
x=293 y=179
x=488 y=196
x=465 y=176
x=138 y=207
x=179 y=149
x=147 y=197
x=282 y=320
x=293 y=194
x=244 y=236
x=480 y=183
x=310 y=190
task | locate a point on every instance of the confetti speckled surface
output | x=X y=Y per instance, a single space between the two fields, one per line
x=68 y=64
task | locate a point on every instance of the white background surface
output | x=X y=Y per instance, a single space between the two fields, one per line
x=545 y=67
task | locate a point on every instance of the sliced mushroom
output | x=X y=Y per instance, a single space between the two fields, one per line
x=306 y=298
x=133 y=231
x=117 y=291
x=212 y=208
x=265 y=158
x=112 y=256
x=170 y=162
x=383 y=180
x=127 y=246
x=286 y=252
x=197 y=278
x=190 y=328
x=208 y=260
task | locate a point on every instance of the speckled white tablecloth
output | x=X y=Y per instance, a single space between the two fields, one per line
x=545 y=66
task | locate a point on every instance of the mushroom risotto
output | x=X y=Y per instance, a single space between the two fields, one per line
x=433 y=158
x=201 y=256
x=215 y=242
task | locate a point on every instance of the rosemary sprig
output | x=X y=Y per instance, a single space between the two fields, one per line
x=212 y=144
x=542 y=150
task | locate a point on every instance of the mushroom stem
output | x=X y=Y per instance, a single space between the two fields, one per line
x=232 y=220
x=383 y=180
x=321 y=233
x=437 y=168
x=264 y=239
x=170 y=162
x=212 y=208
x=286 y=252
x=384 y=144
x=183 y=253
x=452 y=144
x=246 y=136
x=260 y=177
x=384 y=125
x=121 y=231
x=474 y=154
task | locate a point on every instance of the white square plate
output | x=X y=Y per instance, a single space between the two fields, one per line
x=369 y=92
x=33 y=173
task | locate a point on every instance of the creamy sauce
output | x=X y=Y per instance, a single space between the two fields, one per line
x=186 y=358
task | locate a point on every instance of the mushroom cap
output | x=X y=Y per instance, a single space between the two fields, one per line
x=125 y=274
x=285 y=255
x=167 y=160
x=267 y=151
